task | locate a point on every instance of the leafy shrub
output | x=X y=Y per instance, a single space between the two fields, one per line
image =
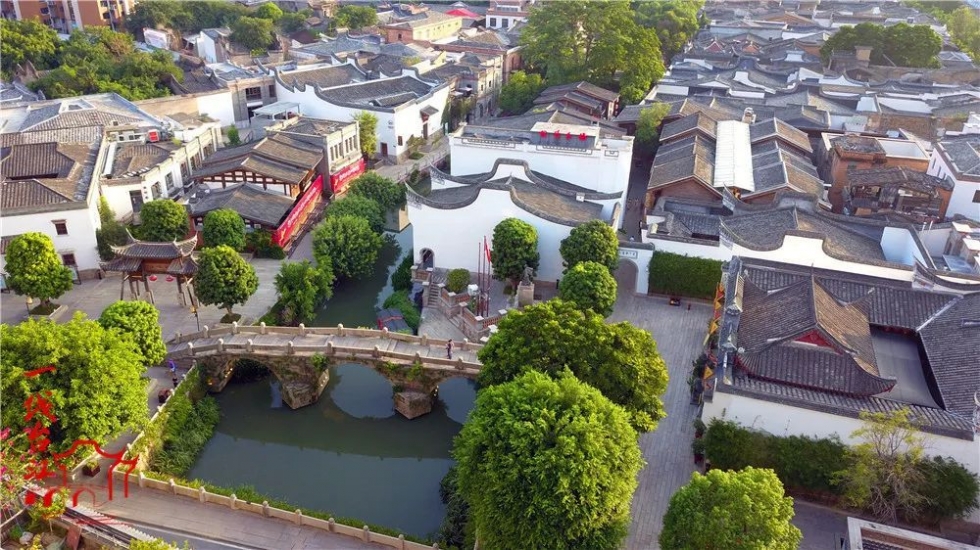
x=456 y=531
x=457 y=280
x=401 y=279
x=684 y=275
x=185 y=429
x=401 y=301
x=260 y=243
x=950 y=490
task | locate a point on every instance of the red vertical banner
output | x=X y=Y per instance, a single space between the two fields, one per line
x=304 y=205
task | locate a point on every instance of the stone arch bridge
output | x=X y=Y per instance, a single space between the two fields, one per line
x=299 y=358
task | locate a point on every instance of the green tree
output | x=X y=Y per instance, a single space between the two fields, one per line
x=301 y=287
x=367 y=127
x=730 y=510
x=112 y=233
x=350 y=245
x=294 y=21
x=902 y=44
x=224 y=227
x=579 y=40
x=639 y=76
x=234 y=139
x=16 y=462
x=547 y=464
x=252 y=33
x=224 y=278
x=517 y=96
x=268 y=11
x=964 y=29
x=619 y=360
x=675 y=21
x=34 y=268
x=141 y=321
x=163 y=220
x=97 y=388
x=515 y=247
x=648 y=125
x=389 y=194
x=885 y=472
x=359 y=207
x=355 y=17
x=594 y=241
x=27 y=40
x=589 y=285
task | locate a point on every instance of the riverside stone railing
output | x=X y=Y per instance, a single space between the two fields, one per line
x=296 y=516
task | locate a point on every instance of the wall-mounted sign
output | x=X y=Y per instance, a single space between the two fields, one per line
x=342 y=179
x=628 y=253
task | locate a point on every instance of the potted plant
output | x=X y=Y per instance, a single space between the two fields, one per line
x=699 y=428
x=698 y=448
x=91 y=468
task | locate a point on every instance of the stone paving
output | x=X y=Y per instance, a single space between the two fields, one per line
x=679 y=333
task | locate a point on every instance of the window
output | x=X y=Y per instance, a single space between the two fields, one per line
x=272 y=90
x=61 y=227
x=399 y=140
x=493 y=21
x=252 y=94
x=852 y=165
x=170 y=180
x=68 y=259
x=504 y=22
x=976 y=196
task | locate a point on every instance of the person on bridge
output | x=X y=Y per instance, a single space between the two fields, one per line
x=449 y=349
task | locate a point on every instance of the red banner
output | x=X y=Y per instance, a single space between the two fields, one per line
x=340 y=181
x=303 y=206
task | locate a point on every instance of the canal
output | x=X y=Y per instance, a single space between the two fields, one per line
x=350 y=454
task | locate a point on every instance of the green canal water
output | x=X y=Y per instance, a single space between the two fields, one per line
x=350 y=454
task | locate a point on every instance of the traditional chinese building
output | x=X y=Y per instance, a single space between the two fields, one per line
x=144 y=261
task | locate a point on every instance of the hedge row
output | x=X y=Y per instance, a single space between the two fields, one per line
x=683 y=275
x=811 y=465
x=401 y=301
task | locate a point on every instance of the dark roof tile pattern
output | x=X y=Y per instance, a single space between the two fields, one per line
x=899 y=176
x=155 y=251
x=34 y=193
x=249 y=201
x=379 y=92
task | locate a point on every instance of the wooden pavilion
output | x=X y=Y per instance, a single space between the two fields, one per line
x=144 y=261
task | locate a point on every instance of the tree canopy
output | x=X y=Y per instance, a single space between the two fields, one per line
x=355 y=17
x=547 y=464
x=593 y=241
x=224 y=227
x=648 y=125
x=141 y=321
x=224 y=278
x=388 y=193
x=515 y=247
x=97 y=389
x=730 y=510
x=903 y=44
x=163 y=220
x=675 y=22
x=301 y=287
x=186 y=17
x=253 y=33
x=27 y=40
x=589 y=285
x=618 y=359
x=964 y=28
x=518 y=94
x=349 y=244
x=34 y=268
x=579 y=40
x=367 y=127
x=100 y=60
x=268 y=11
x=361 y=207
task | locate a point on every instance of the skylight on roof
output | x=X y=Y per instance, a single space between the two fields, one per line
x=733 y=156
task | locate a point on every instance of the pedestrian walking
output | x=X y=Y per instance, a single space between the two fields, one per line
x=176 y=380
x=449 y=349
x=173 y=367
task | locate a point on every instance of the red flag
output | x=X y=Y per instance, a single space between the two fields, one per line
x=486 y=249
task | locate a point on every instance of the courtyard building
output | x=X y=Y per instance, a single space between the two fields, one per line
x=957 y=158
x=803 y=351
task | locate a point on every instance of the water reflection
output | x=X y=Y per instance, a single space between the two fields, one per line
x=349 y=454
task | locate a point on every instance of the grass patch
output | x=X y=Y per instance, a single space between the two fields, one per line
x=416 y=155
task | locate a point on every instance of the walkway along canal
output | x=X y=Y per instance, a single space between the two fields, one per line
x=350 y=453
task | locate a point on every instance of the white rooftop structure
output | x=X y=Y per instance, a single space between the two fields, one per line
x=733 y=156
x=900 y=148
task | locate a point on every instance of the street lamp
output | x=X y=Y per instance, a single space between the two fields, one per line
x=196 y=317
x=30 y=302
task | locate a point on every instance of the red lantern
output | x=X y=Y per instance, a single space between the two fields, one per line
x=557 y=134
x=544 y=133
x=153 y=278
x=170 y=279
x=568 y=135
x=582 y=137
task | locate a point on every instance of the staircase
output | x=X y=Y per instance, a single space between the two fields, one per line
x=437 y=277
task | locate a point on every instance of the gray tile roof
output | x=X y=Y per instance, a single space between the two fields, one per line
x=857 y=144
x=324 y=77
x=249 y=201
x=278 y=156
x=963 y=153
x=946 y=325
x=34 y=193
x=155 y=251
x=899 y=176
x=585 y=88
x=388 y=92
x=134 y=158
